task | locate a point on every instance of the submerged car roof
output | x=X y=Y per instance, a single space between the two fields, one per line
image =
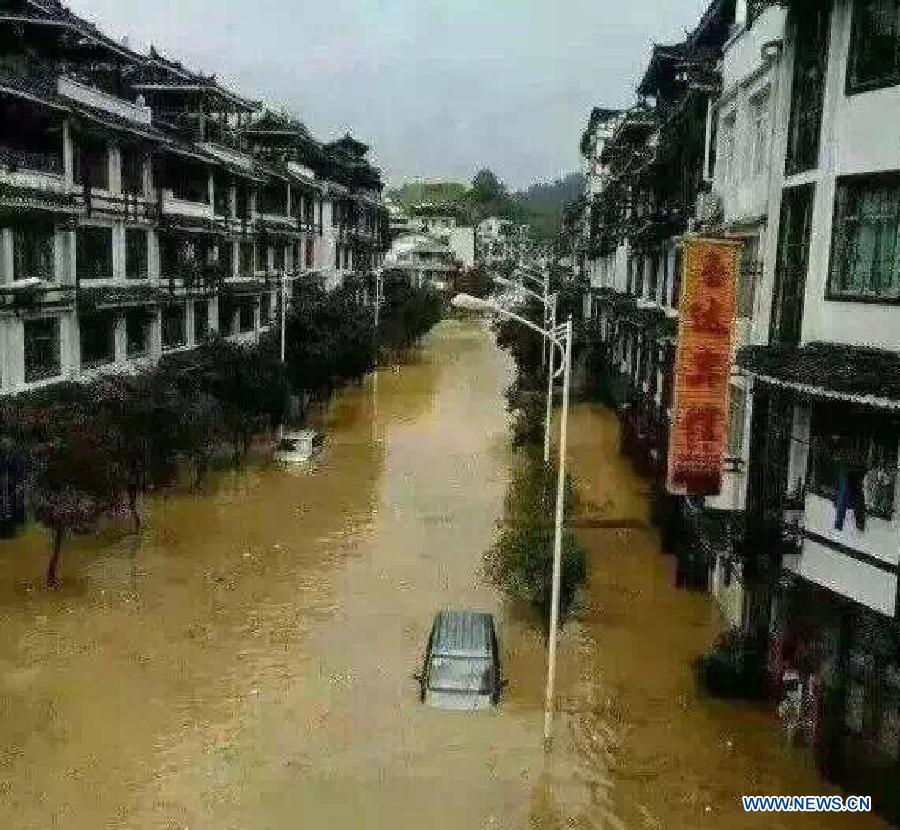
x=463 y=634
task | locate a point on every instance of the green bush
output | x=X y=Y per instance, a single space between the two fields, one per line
x=520 y=562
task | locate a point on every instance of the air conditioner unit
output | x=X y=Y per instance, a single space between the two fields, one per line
x=708 y=207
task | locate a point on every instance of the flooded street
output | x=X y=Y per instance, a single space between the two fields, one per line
x=246 y=662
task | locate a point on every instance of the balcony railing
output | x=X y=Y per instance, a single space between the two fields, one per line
x=16 y=159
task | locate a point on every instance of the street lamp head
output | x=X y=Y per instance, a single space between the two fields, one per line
x=469 y=303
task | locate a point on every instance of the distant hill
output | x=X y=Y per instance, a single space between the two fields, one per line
x=417 y=192
x=540 y=205
x=544 y=202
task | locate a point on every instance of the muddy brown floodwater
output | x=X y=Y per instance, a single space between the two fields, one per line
x=245 y=662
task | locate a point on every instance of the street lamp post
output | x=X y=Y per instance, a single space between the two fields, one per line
x=283 y=311
x=549 y=304
x=559 y=337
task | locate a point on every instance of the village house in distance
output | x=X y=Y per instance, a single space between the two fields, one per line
x=767 y=125
x=144 y=205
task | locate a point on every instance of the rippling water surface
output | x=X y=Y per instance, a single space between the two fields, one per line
x=245 y=662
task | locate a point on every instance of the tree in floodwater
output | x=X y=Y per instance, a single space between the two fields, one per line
x=520 y=562
x=190 y=420
x=138 y=439
x=407 y=313
x=74 y=476
x=330 y=339
x=524 y=345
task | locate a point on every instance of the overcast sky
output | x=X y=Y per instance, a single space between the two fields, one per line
x=438 y=87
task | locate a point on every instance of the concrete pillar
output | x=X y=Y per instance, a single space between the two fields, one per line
x=7 y=260
x=155 y=334
x=189 y=338
x=147 y=167
x=211 y=188
x=14 y=370
x=118 y=251
x=214 y=314
x=153 y=256
x=121 y=340
x=68 y=154
x=70 y=344
x=114 y=162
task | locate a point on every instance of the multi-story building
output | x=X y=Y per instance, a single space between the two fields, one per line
x=648 y=166
x=142 y=206
x=769 y=124
x=501 y=242
x=824 y=372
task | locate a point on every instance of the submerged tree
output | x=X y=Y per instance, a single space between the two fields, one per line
x=521 y=560
x=75 y=477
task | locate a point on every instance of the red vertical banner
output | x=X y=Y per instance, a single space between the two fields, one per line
x=699 y=431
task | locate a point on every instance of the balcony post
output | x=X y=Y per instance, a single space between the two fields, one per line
x=7 y=258
x=68 y=154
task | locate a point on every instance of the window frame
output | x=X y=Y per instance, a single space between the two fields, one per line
x=857 y=37
x=169 y=347
x=55 y=369
x=82 y=234
x=130 y=233
x=836 y=295
x=143 y=318
x=98 y=317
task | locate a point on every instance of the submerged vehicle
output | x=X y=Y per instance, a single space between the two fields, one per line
x=462 y=662
x=298 y=447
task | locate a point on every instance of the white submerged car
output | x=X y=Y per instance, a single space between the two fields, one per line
x=298 y=447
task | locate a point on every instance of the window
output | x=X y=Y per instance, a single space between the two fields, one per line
x=174 y=332
x=337 y=256
x=759 y=133
x=242 y=204
x=97 y=336
x=226 y=258
x=310 y=254
x=653 y=287
x=807 y=92
x=42 y=357
x=91 y=164
x=221 y=196
x=279 y=259
x=246 y=259
x=639 y=276
x=791 y=265
x=865 y=258
x=265 y=309
x=137 y=332
x=201 y=320
x=33 y=252
x=136 y=253
x=347 y=258
x=748 y=274
x=132 y=172
x=262 y=257
x=226 y=316
x=726 y=149
x=245 y=314
x=273 y=199
x=874 y=59
x=676 y=279
x=94 y=253
x=842 y=444
x=737 y=408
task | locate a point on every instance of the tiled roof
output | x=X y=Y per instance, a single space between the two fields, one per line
x=829 y=370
